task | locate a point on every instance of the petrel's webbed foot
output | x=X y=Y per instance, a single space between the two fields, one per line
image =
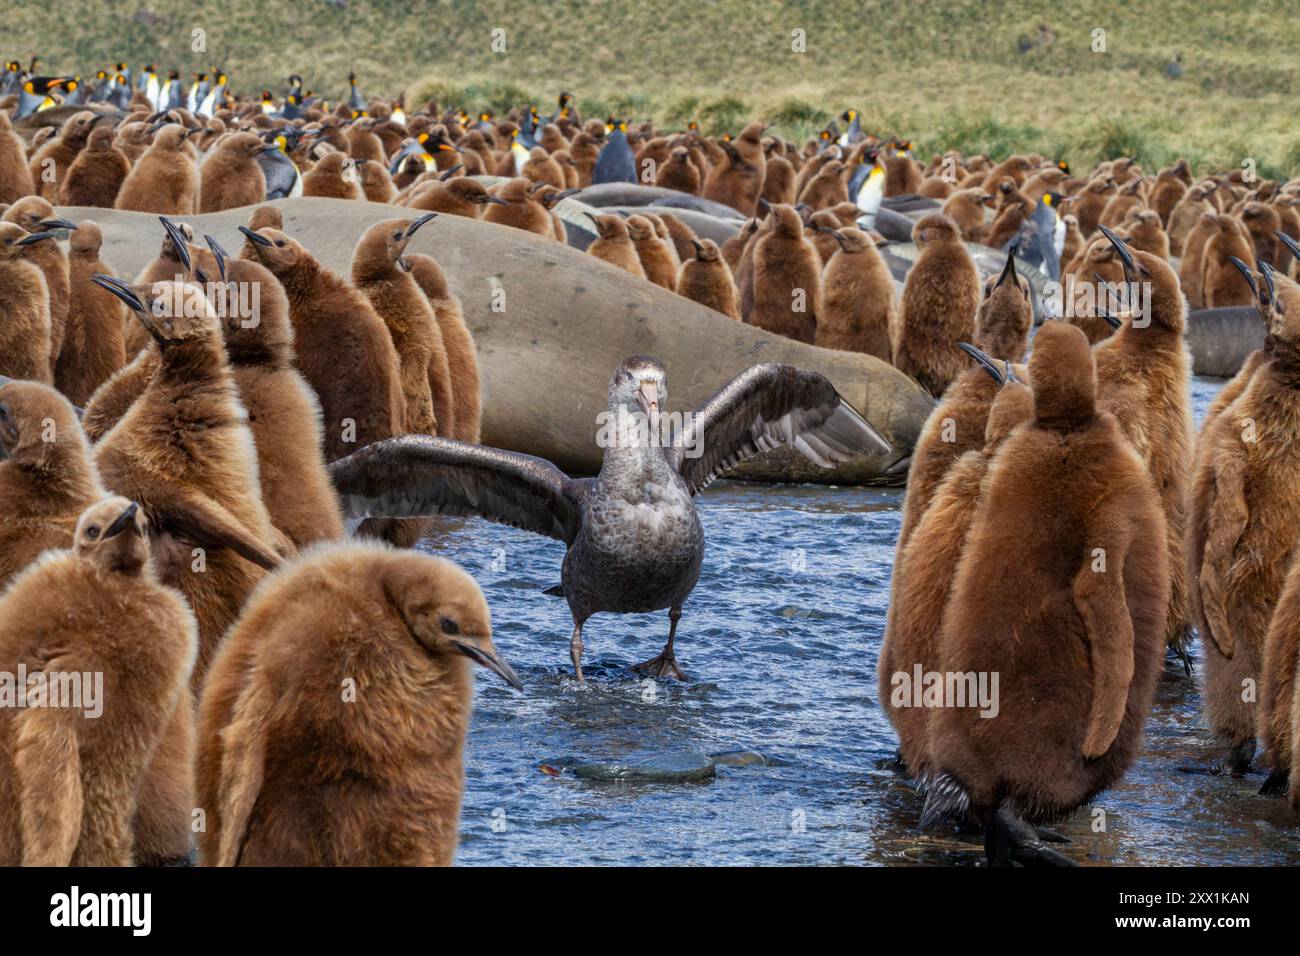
x=665 y=663
x=661 y=665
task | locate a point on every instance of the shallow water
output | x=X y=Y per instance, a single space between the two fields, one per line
x=779 y=640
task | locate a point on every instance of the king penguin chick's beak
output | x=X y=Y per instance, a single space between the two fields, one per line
x=178 y=241
x=647 y=398
x=1249 y=276
x=120 y=289
x=493 y=663
x=221 y=254
x=1112 y=320
x=122 y=522
x=699 y=247
x=1008 y=270
x=417 y=223
x=48 y=224
x=1131 y=266
x=36 y=237
x=985 y=361
x=254 y=237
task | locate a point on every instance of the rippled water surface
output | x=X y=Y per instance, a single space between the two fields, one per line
x=779 y=640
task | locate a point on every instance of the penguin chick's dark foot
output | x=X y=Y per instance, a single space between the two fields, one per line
x=1275 y=785
x=894 y=763
x=661 y=665
x=1178 y=651
x=1050 y=836
x=1010 y=840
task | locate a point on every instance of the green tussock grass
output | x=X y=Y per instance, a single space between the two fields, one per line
x=960 y=74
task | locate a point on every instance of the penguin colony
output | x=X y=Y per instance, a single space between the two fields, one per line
x=1062 y=528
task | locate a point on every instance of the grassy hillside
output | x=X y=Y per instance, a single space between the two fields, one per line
x=964 y=74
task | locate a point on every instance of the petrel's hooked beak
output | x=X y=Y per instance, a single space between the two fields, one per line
x=647 y=397
x=120 y=289
x=179 y=242
x=121 y=522
x=489 y=660
x=985 y=361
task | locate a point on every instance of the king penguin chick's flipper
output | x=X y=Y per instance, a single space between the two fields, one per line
x=615 y=163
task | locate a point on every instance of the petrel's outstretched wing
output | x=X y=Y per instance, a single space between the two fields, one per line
x=420 y=475
x=762 y=408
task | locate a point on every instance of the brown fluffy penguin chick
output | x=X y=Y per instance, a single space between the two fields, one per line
x=283 y=411
x=1144 y=375
x=1221 y=283
x=519 y=208
x=93 y=344
x=460 y=196
x=46 y=475
x=737 y=181
x=333 y=177
x=379 y=271
x=462 y=358
x=787 y=279
x=165 y=180
x=96 y=175
x=1061 y=591
x=680 y=235
x=966 y=208
x=15 y=178
x=185 y=452
x=263 y=217
x=231 y=176
x=858 y=310
x=1191 y=268
x=1145 y=233
x=657 y=259
x=37 y=216
x=923 y=576
x=1091 y=202
x=51 y=160
x=1242 y=507
x=24 y=311
x=940 y=297
x=779 y=179
x=73 y=772
x=375 y=182
x=706 y=279
x=343 y=347
x=678 y=172
x=1094 y=279
x=958 y=423
x=401 y=629
x=1184 y=217
x=614 y=243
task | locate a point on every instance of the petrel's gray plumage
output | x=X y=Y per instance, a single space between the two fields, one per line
x=633 y=534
